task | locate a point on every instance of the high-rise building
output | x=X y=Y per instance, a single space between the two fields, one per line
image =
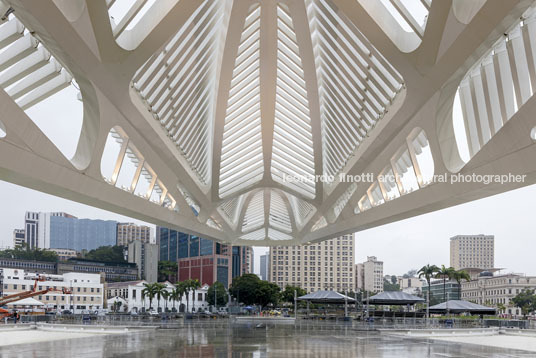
x=203 y=259
x=328 y=265
x=145 y=256
x=265 y=267
x=19 y=238
x=369 y=275
x=472 y=251
x=63 y=231
x=128 y=232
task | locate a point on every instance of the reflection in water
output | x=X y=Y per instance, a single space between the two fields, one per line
x=220 y=339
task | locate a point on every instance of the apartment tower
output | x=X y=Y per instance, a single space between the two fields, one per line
x=327 y=265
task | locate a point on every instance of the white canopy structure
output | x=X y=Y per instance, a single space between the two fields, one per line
x=26 y=302
x=268 y=122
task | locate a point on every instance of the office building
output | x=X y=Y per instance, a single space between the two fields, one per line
x=19 y=238
x=203 y=259
x=86 y=290
x=369 y=275
x=498 y=291
x=129 y=232
x=472 y=251
x=440 y=292
x=328 y=265
x=110 y=271
x=43 y=267
x=265 y=267
x=145 y=256
x=63 y=231
x=64 y=254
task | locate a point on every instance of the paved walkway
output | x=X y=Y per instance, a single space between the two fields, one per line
x=499 y=341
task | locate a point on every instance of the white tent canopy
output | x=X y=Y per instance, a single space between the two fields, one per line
x=26 y=302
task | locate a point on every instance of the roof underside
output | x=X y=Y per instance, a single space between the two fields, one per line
x=300 y=87
x=252 y=113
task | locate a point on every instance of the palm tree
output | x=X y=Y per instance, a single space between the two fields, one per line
x=190 y=286
x=428 y=272
x=166 y=295
x=444 y=273
x=149 y=291
x=194 y=285
x=143 y=300
x=459 y=276
x=160 y=288
x=177 y=293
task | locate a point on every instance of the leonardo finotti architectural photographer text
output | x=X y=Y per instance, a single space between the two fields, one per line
x=438 y=178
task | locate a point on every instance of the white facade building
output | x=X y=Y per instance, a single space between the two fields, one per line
x=131 y=292
x=498 y=291
x=472 y=251
x=86 y=289
x=410 y=285
x=327 y=265
x=369 y=275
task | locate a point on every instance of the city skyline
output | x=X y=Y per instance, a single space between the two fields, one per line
x=407 y=240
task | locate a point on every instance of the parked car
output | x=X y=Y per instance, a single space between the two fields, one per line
x=153 y=313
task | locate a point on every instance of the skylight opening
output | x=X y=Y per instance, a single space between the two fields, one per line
x=493 y=90
x=3 y=131
x=343 y=199
x=125 y=168
x=254 y=216
x=389 y=184
x=254 y=235
x=279 y=216
x=424 y=163
x=144 y=183
x=404 y=171
x=40 y=85
x=375 y=195
x=127 y=171
x=278 y=235
x=364 y=203
x=355 y=96
x=320 y=223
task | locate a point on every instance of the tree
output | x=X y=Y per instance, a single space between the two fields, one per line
x=149 y=291
x=390 y=285
x=288 y=293
x=444 y=273
x=160 y=290
x=165 y=296
x=190 y=286
x=177 y=293
x=244 y=288
x=526 y=300
x=410 y=273
x=107 y=254
x=501 y=307
x=267 y=293
x=22 y=253
x=167 y=271
x=250 y=290
x=428 y=272
x=460 y=275
x=217 y=289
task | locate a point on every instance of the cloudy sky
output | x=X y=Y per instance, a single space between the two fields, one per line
x=403 y=245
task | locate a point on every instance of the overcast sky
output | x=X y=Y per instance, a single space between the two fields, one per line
x=403 y=245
